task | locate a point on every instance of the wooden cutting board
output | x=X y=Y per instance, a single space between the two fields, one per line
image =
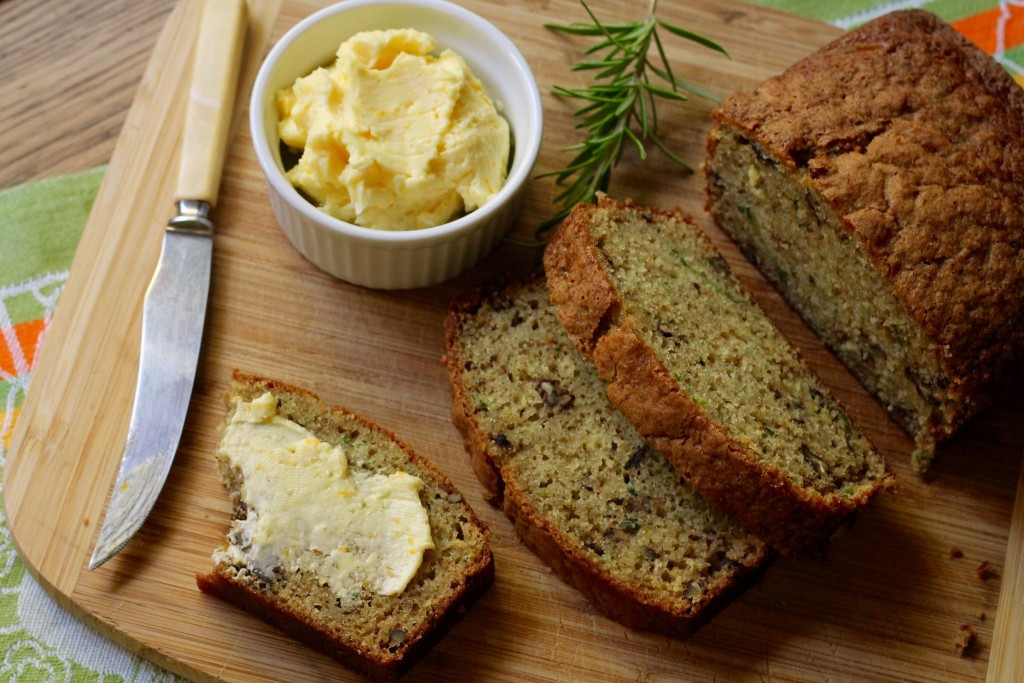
x=887 y=601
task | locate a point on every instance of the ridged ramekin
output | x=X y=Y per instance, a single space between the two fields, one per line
x=415 y=258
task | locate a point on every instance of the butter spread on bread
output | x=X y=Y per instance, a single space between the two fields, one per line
x=308 y=508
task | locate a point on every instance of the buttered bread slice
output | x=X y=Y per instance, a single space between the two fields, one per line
x=584 y=490
x=341 y=535
x=703 y=374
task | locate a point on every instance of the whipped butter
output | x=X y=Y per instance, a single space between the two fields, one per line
x=309 y=510
x=392 y=137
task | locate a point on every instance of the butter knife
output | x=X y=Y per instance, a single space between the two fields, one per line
x=174 y=308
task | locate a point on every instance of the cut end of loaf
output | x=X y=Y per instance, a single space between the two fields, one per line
x=891 y=221
x=796 y=240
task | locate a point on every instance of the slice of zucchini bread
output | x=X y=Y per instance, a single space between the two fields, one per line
x=705 y=376
x=342 y=577
x=879 y=184
x=584 y=490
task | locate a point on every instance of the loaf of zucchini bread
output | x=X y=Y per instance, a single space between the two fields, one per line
x=341 y=536
x=703 y=374
x=584 y=490
x=879 y=184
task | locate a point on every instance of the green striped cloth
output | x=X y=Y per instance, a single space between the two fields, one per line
x=40 y=225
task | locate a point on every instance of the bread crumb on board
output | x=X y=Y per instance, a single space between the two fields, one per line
x=986 y=571
x=964 y=640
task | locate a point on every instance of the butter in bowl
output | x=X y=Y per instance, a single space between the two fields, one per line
x=397 y=139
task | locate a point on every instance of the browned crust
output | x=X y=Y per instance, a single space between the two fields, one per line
x=478 y=576
x=787 y=517
x=475 y=440
x=280 y=615
x=925 y=167
x=610 y=595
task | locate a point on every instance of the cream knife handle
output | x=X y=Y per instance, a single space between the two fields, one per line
x=211 y=99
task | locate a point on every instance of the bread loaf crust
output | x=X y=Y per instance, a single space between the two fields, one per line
x=609 y=594
x=789 y=518
x=915 y=139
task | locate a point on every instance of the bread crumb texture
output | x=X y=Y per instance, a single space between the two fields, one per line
x=986 y=572
x=965 y=640
x=586 y=492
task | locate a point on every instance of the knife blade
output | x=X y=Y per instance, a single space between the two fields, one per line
x=174 y=307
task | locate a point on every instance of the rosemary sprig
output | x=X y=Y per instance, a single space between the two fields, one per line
x=620 y=105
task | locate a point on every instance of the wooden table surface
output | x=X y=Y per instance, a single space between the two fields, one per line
x=71 y=71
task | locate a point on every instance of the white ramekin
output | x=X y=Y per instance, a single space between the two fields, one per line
x=415 y=258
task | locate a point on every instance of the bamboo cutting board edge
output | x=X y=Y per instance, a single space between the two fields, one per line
x=111 y=600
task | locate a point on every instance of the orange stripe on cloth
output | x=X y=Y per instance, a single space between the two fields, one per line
x=28 y=339
x=981 y=28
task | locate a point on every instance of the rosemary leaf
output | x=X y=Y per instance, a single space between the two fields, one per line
x=645 y=125
x=667 y=151
x=690 y=35
x=636 y=141
x=689 y=87
x=589 y=29
x=664 y=92
x=603 y=45
x=603 y=64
